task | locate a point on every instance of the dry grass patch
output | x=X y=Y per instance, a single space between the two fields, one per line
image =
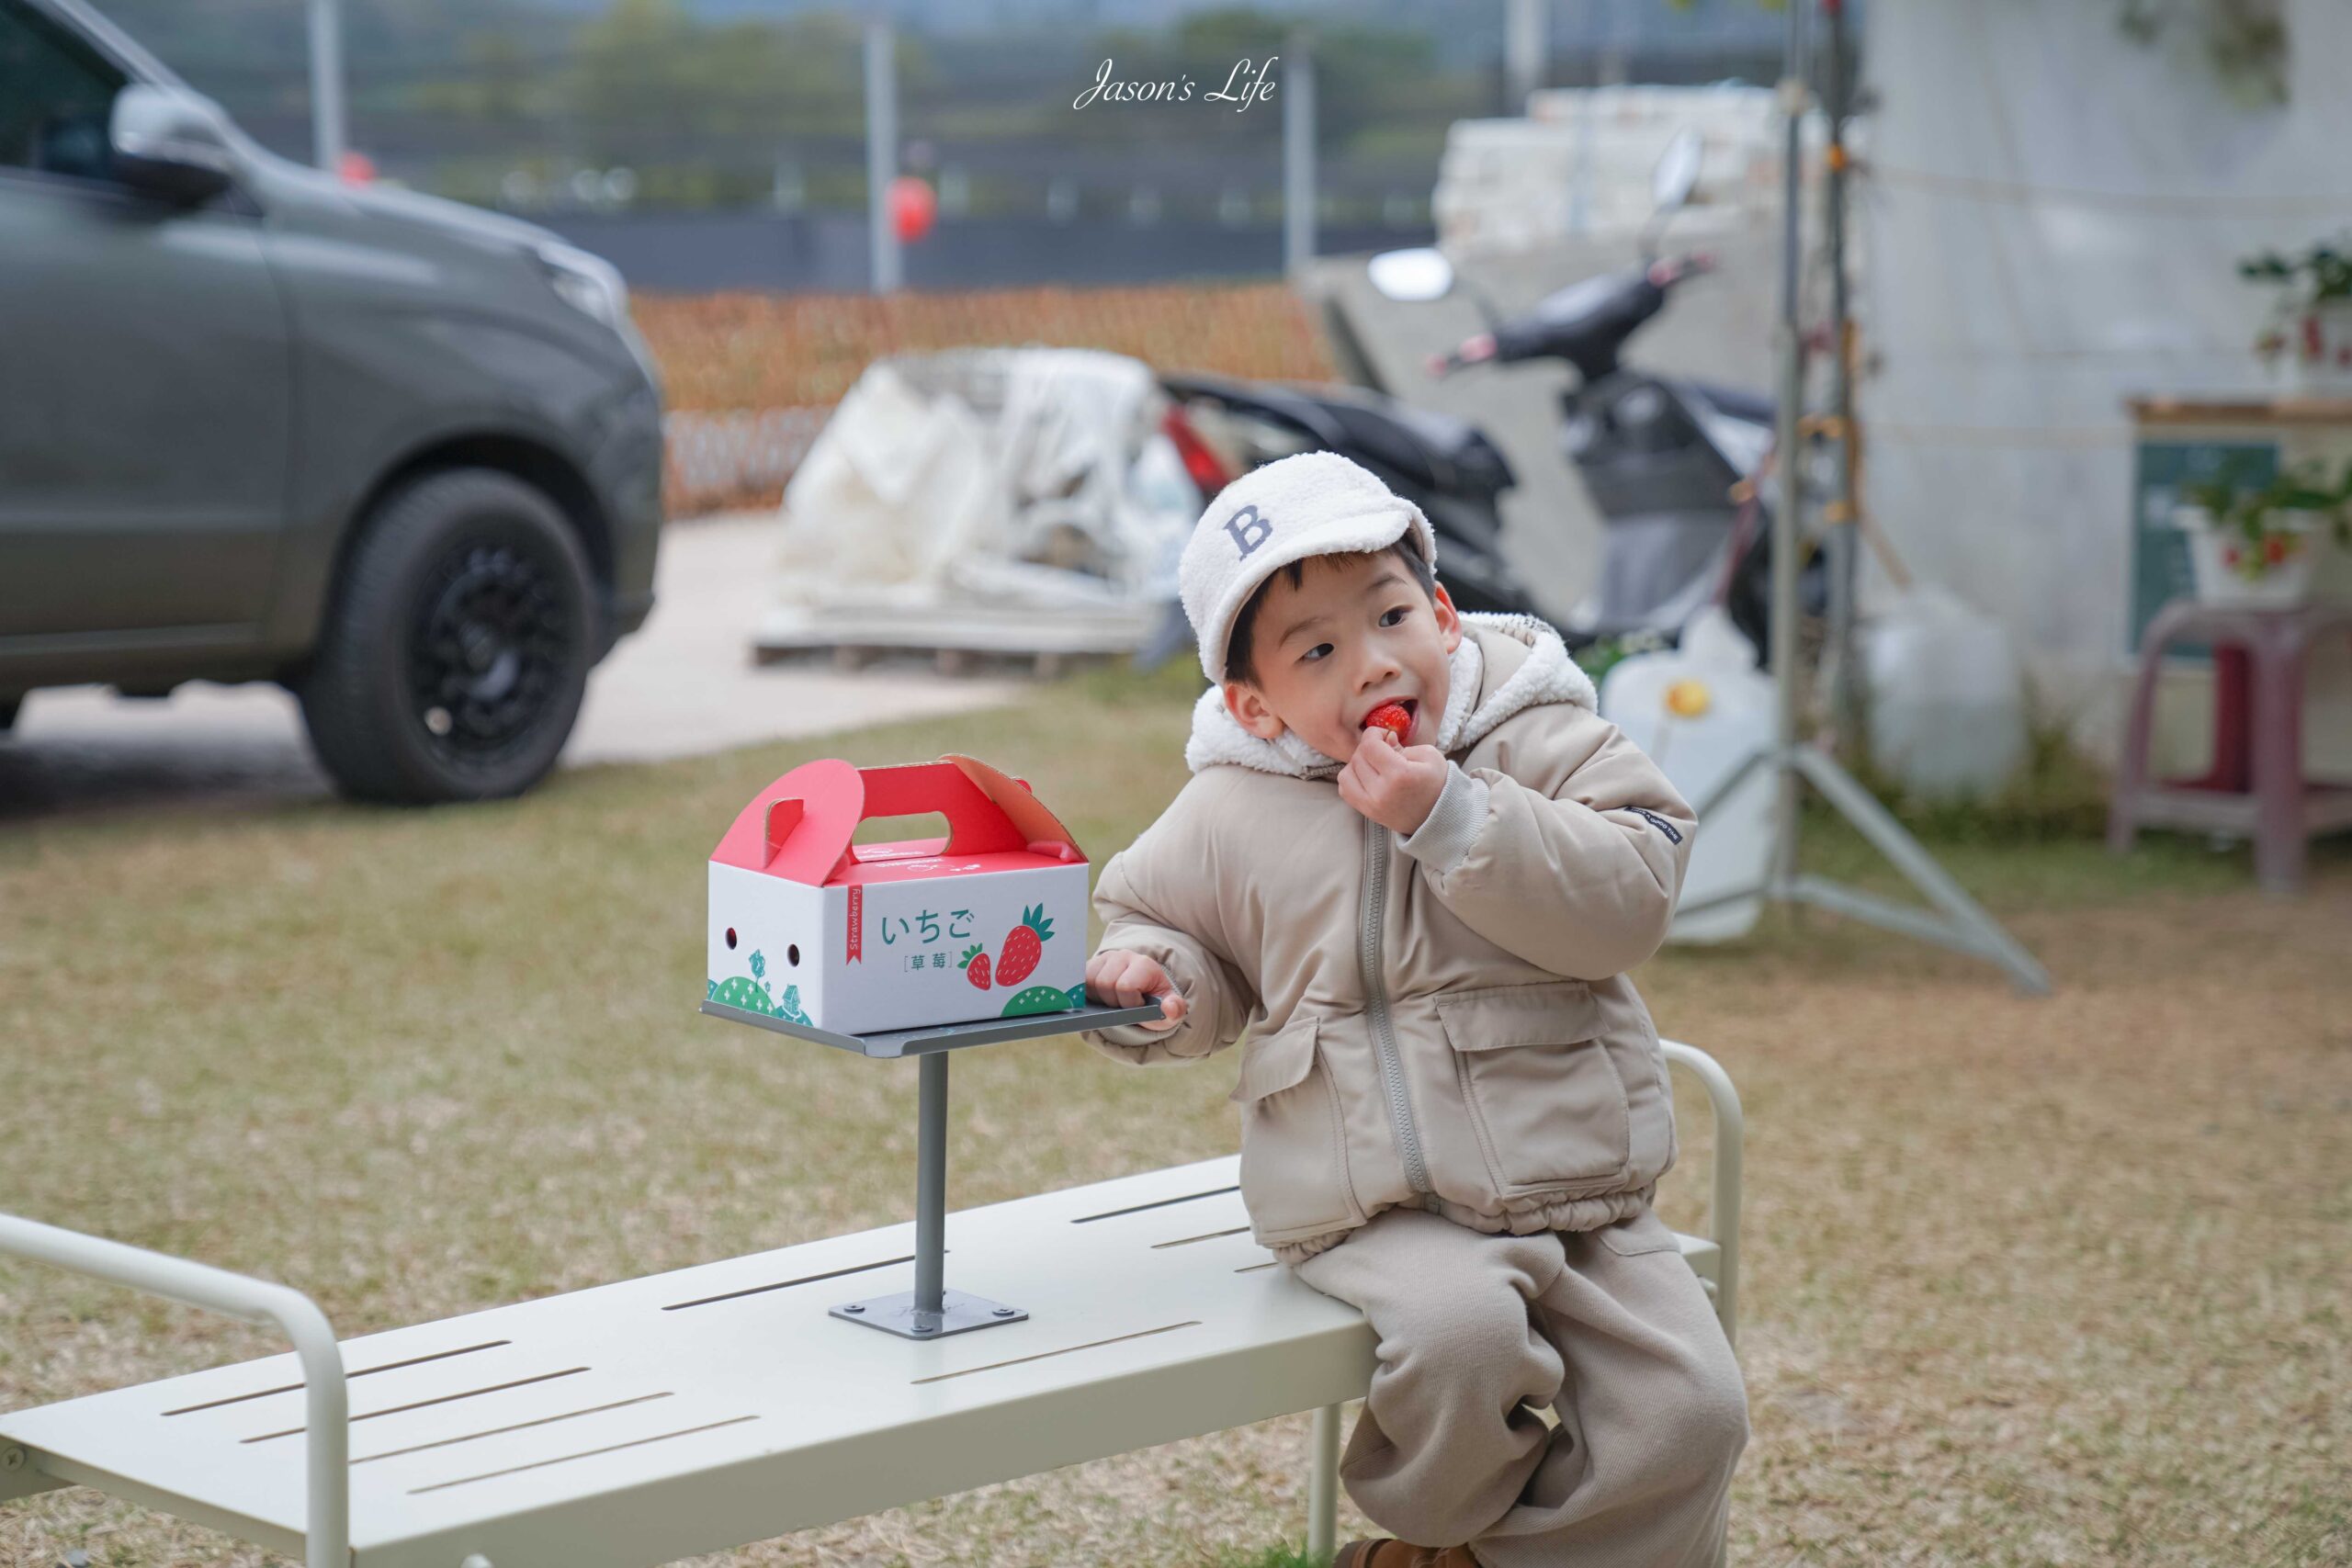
x=755 y=351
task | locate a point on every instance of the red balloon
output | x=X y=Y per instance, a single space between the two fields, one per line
x=912 y=206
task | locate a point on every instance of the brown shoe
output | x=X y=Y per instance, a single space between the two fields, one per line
x=1386 y=1552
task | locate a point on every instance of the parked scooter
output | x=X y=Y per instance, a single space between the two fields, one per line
x=1661 y=457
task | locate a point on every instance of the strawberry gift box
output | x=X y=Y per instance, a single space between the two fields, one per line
x=807 y=928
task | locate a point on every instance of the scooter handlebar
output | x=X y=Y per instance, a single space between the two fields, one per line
x=1668 y=271
x=1471 y=351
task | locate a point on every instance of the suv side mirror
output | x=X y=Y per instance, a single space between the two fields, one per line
x=170 y=144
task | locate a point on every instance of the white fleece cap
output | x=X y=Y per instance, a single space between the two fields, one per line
x=1313 y=504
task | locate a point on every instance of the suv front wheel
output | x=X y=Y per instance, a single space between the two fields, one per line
x=458 y=647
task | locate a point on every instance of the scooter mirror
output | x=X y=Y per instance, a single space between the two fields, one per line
x=1677 y=171
x=1411 y=276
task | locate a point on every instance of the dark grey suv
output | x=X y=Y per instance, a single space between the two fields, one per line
x=400 y=455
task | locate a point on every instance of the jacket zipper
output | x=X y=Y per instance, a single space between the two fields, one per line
x=1383 y=1032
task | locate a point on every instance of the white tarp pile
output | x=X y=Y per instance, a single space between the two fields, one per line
x=1003 y=499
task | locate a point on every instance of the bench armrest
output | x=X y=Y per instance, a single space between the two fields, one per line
x=1723 y=1205
x=326 y=1534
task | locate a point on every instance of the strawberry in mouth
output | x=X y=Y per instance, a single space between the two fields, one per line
x=1396 y=718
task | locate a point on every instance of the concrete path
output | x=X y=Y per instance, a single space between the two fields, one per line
x=683 y=685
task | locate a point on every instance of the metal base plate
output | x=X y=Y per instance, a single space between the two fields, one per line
x=897 y=1314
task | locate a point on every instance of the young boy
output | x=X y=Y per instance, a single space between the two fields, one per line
x=1455 y=1111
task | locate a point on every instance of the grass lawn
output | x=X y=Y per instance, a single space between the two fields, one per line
x=2028 y=1281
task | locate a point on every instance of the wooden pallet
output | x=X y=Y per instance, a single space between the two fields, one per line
x=953 y=640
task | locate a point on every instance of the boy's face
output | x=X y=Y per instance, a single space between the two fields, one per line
x=1351 y=635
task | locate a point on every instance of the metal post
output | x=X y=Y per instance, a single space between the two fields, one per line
x=881 y=152
x=1722 y=1206
x=1298 y=153
x=931 y=1184
x=1786 y=530
x=1323 y=1487
x=326 y=84
x=1963 y=925
x=1967 y=927
x=1844 y=511
x=1524 y=47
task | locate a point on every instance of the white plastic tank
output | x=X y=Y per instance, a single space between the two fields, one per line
x=1947 y=697
x=1700 y=711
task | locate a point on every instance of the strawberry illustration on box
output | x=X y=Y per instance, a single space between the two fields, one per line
x=807 y=927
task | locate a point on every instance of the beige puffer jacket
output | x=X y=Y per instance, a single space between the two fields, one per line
x=1442 y=1019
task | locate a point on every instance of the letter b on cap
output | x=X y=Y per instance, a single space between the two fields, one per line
x=1250 y=529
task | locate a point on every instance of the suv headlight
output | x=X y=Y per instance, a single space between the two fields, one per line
x=590 y=285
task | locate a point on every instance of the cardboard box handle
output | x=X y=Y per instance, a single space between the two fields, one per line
x=800 y=826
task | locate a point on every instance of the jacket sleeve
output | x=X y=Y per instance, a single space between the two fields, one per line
x=1157 y=897
x=1581 y=881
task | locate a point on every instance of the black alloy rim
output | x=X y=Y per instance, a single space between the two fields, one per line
x=490 y=643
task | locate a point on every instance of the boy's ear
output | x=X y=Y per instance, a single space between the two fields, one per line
x=1449 y=619
x=1250 y=711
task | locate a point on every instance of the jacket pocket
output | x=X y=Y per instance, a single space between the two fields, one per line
x=1543 y=1094
x=1293 y=1160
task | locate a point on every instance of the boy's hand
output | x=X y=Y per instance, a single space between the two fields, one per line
x=1394 y=784
x=1128 y=979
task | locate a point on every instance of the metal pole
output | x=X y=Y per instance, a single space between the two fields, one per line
x=326 y=84
x=1323 y=1485
x=1785 y=529
x=1298 y=153
x=881 y=152
x=1524 y=47
x=1844 y=511
x=931 y=1185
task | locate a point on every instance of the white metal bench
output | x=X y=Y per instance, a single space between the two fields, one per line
x=633 y=1423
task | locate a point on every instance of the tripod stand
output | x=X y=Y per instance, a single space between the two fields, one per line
x=1957 y=921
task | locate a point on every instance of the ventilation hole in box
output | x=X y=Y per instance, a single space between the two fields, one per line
x=730 y=939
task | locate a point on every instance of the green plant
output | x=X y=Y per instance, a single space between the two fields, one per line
x=2320 y=274
x=2271 y=520
x=2329 y=270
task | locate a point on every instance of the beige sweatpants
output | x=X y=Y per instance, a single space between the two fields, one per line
x=1609 y=1328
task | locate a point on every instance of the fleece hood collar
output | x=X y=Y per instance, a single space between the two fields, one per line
x=1546 y=675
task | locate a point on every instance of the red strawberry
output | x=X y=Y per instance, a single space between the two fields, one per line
x=1392 y=717
x=976 y=965
x=1023 y=945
